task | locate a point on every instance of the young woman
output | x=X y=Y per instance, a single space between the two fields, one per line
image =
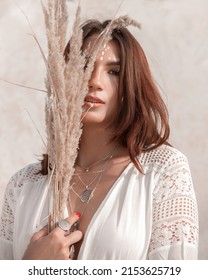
x=131 y=192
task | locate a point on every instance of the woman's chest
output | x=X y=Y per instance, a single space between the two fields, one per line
x=121 y=228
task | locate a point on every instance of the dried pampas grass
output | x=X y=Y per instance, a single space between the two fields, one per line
x=66 y=85
x=65 y=95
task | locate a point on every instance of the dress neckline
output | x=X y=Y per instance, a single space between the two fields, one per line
x=102 y=205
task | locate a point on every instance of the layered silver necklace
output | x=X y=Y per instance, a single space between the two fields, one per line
x=87 y=194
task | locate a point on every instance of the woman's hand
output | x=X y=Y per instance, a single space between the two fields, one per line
x=53 y=246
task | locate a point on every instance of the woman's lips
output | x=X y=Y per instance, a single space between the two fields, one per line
x=93 y=101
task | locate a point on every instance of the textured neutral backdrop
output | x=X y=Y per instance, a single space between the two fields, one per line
x=174 y=36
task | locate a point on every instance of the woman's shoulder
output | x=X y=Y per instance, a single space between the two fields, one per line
x=29 y=173
x=27 y=176
x=162 y=157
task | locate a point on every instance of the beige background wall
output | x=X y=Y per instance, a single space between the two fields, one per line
x=175 y=37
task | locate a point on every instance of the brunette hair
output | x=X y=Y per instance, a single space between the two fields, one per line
x=141 y=121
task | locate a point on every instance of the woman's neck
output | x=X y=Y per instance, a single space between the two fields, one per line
x=94 y=145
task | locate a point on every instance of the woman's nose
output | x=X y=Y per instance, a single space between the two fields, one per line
x=95 y=81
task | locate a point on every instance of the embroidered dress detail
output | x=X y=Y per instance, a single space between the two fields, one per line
x=29 y=174
x=160 y=208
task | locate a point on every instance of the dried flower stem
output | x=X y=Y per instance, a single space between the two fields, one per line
x=67 y=85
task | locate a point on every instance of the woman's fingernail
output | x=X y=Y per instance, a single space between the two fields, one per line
x=78 y=214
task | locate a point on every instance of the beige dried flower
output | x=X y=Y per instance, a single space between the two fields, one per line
x=67 y=85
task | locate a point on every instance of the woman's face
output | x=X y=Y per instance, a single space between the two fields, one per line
x=102 y=97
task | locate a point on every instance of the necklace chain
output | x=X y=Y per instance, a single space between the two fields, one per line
x=87 y=169
x=87 y=194
x=88 y=185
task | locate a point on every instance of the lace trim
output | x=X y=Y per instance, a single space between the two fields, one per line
x=13 y=188
x=161 y=158
x=175 y=214
x=6 y=222
x=171 y=233
x=174 y=220
x=174 y=182
x=176 y=207
x=30 y=173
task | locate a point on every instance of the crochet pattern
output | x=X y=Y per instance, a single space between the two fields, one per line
x=174 y=215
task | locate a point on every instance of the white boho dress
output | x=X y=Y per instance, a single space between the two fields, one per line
x=151 y=216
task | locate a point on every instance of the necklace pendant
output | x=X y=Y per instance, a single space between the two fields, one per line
x=87 y=170
x=86 y=195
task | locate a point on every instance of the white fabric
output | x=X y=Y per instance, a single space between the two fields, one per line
x=151 y=216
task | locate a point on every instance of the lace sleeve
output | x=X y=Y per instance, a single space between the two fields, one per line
x=7 y=220
x=175 y=215
x=7 y=214
x=12 y=194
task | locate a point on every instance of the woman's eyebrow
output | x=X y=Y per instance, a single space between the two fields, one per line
x=114 y=63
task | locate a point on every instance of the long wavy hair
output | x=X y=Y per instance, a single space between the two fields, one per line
x=141 y=121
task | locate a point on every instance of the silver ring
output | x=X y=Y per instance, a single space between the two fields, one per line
x=64 y=225
x=72 y=252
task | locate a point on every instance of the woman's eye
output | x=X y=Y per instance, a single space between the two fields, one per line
x=114 y=72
